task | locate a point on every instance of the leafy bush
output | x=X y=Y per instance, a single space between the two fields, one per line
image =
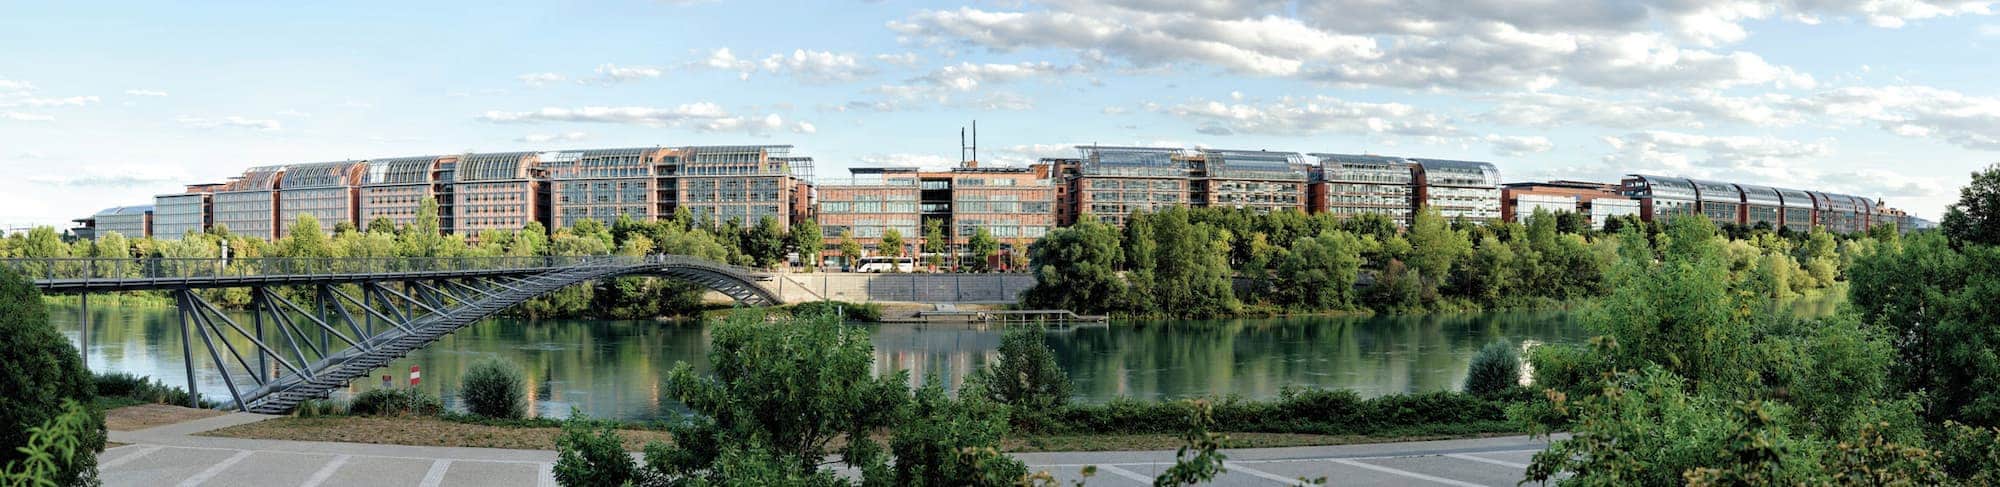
x=1494 y=369
x=39 y=370
x=1299 y=410
x=592 y=455
x=1026 y=377
x=395 y=402
x=123 y=387
x=319 y=408
x=55 y=453
x=949 y=442
x=494 y=388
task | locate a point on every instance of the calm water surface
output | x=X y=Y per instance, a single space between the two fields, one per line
x=614 y=368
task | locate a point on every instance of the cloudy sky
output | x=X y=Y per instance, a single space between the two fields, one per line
x=108 y=104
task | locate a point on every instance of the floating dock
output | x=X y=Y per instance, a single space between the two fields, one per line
x=1002 y=317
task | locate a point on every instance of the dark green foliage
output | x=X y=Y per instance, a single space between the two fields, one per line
x=123 y=387
x=765 y=243
x=494 y=388
x=982 y=246
x=786 y=386
x=1496 y=368
x=1300 y=410
x=57 y=452
x=39 y=371
x=949 y=442
x=1026 y=377
x=589 y=454
x=1936 y=304
x=1975 y=218
x=1075 y=269
x=395 y=402
x=807 y=239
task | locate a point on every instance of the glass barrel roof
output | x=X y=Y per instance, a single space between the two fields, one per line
x=1444 y=172
x=1759 y=195
x=1132 y=161
x=1714 y=191
x=320 y=175
x=124 y=210
x=494 y=167
x=1795 y=198
x=1665 y=187
x=261 y=178
x=1255 y=164
x=399 y=170
x=1364 y=168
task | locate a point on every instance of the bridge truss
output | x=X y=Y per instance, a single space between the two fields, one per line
x=363 y=312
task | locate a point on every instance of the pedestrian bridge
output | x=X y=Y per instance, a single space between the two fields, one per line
x=273 y=363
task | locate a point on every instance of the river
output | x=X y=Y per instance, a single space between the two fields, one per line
x=613 y=368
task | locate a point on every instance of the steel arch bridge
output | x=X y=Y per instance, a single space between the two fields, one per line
x=403 y=304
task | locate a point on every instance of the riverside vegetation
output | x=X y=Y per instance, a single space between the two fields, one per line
x=1220 y=262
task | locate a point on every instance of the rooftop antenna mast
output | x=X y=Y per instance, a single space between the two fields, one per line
x=975 y=143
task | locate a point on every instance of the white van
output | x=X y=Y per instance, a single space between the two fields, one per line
x=887 y=264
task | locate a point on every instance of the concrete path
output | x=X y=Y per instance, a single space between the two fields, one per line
x=169 y=455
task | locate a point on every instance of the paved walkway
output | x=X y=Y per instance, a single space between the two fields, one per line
x=170 y=455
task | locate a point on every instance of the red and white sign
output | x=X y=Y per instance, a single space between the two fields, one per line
x=416 y=375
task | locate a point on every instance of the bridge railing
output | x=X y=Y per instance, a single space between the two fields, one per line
x=124 y=269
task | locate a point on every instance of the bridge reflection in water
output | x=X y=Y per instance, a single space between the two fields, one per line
x=404 y=304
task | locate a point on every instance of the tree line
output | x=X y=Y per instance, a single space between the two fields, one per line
x=1206 y=262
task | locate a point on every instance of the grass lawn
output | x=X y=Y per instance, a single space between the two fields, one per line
x=143 y=416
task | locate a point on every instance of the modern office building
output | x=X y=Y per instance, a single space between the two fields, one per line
x=1347 y=185
x=395 y=188
x=1014 y=205
x=1663 y=198
x=603 y=184
x=865 y=206
x=1459 y=189
x=740 y=183
x=127 y=221
x=1112 y=182
x=1597 y=202
x=176 y=214
x=1261 y=180
x=248 y=205
x=498 y=191
x=1061 y=173
x=329 y=191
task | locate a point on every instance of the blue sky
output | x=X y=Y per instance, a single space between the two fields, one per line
x=110 y=103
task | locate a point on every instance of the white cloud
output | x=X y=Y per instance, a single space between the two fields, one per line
x=702 y=117
x=14 y=85
x=26 y=117
x=1968 y=121
x=560 y=137
x=232 y=121
x=804 y=128
x=1299 y=116
x=1690 y=110
x=1990 y=30
x=145 y=92
x=817 y=66
x=1464 y=44
x=612 y=73
x=904 y=59
x=1517 y=146
x=1753 y=158
x=539 y=79
x=74 y=101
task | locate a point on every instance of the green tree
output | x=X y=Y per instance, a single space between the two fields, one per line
x=1075 y=268
x=947 y=442
x=806 y=238
x=1434 y=249
x=892 y=243
x=40 y=371
x=983 y=247
x=765 y=243
x=1142 y=256
x=304 y=240
x=382 y=224
x=1975 y=218
x=1935 y=301
x=1026 y=377
x=494 y=388
x=1494 y=369
x=850 y=249
x=788 y=387
x=934 y=241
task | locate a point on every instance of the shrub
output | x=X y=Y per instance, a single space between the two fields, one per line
x=319 y=408
x=1026 y=377
x=39 y=369
x=849 y=311
x=395 y=402
x=590 y=455
x=947 y=442
x=121 y=386
x=494 y=388
x=55 y=451
x=1493 y=370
